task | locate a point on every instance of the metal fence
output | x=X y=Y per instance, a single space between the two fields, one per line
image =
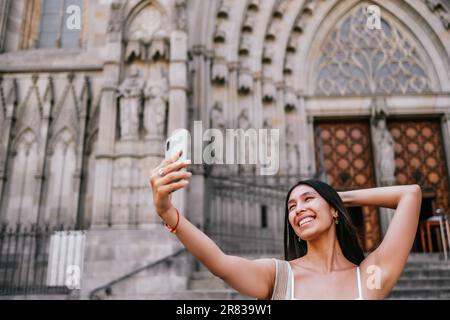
x=40 y=259
x=245 y=214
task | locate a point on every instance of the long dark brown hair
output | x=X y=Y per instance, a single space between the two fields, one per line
x=346 y=231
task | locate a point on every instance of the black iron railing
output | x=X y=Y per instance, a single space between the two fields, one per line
x=40 y=259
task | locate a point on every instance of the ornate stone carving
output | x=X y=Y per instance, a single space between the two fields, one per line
x=267 y=123
x=145 y=24
x=269 y=91
x=379 y=107
x=272 y=32
x=220 y=34
x=249 y=23
x=293 y=154
x=356 y=60
x=155 y=109
x=219 y=72
x=159 y=48
x=280 y=8
x=146 y=38
x=288 y=65
x=384 y=145
x=224 y=11
x=243 y=120
x=290 y=99
x=438 y=8
x=245 y=81
x=130 y=93
x=180 y=15
x=216 y=117
x=253 y=5
x=268 y=54
x=244 y=47
x=115 y=19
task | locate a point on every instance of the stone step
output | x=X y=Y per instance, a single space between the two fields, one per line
x=435 y=282
x=426 y=257
x=420 y=293
x=186 y=295
x=429 y=264
x=426 y=273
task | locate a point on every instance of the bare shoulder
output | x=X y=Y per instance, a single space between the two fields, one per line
x=268 y=265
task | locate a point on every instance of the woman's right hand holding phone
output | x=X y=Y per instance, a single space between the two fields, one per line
x=165 y=179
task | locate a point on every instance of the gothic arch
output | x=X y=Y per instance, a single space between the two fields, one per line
x=431 y=48
x=60 y=184
x=22 y=182
x=133 y=8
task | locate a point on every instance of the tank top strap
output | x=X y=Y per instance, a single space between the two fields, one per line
x=360 y=297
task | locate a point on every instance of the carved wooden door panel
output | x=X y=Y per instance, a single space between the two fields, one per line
x=348 y=163
x=420 y=157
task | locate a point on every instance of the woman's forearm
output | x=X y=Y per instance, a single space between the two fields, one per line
x=387 y=197
x=197 y=243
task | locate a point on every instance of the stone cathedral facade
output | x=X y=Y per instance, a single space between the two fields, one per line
x=85 y=112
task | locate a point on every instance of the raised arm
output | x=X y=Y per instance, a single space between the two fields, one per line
x=392 y=254
x=254 y=278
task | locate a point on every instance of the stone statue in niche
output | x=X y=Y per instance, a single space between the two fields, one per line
x=379 y=107
x=115 y=19
x=180 y=15
x=216 y=119
x=130 y=93
x=384 y=145
x=155 y=109
x=243 y=120
x=292 y=150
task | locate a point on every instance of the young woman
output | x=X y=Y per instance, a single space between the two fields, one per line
x=324 y=258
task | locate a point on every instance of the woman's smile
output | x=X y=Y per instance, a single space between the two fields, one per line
x=306 y=221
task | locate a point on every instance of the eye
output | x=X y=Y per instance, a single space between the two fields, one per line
x=291 y=207
x=306 y=199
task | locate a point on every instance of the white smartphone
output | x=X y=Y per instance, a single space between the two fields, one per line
x=180 y=140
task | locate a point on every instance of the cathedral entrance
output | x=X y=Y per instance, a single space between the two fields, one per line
x=344 y=154
x=420 y=158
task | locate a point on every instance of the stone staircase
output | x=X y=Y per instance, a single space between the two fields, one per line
x=203 y=285
x=425 y=277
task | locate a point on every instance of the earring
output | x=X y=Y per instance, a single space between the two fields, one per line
x=336 y=219
x=299 y=239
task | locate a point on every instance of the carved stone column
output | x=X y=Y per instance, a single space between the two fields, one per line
x=43 y=138
x=178 y=109
x=306 y=164
x=4 y=15
x=81 y=147
x=8 y=96
x=107 y=122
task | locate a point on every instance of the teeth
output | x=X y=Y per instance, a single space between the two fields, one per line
x=305 y=220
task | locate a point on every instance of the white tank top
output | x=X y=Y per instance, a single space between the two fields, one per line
x=287 y=289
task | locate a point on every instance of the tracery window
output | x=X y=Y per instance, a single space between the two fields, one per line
x=356 y=60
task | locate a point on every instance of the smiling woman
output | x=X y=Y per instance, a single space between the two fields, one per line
x=323 y=255
x=320 y=199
